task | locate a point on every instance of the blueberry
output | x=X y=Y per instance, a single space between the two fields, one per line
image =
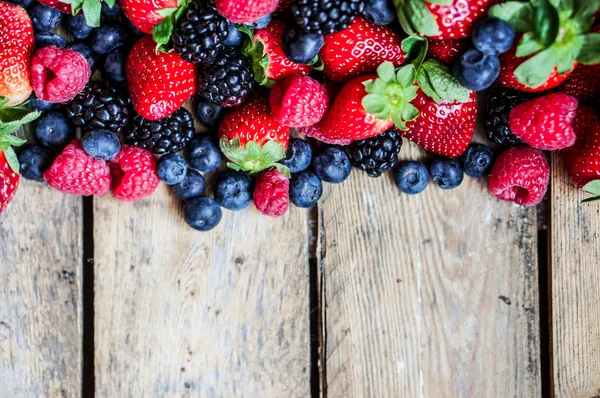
x=493 y=36
x=171 y=168
x=22 y=3
x=34 y=160
x=44 y=39
x=101 y=144
x=204 y=155
x=305 y=189
x=209 y=113
x=301 y=47
x=478 y=160
x=298 y=156
x=202 y=214
x=78 y=28
x=477 y=71
x=134 y=32
x=380 y=12
x=234 y=37
x=44 y=18
x=446 y=173
x=192 y=186
x=36 y=104
x=411 y=177
x=107 y=37
x=113 y=11
x=332 y=165
x=234 y=190
x=87 y=53
x=54 y=131
x=114 y=65
x=261 y=22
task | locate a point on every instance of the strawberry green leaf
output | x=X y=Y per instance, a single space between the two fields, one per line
x=536 y=70
x=405 y=76
x=284 y=170
x=162 y=31
x=421 y=18
x=252 y=158
x=3 y=101
x=11 y=158
x=166 y=12
x=234 y=166
x=92 y=10
x=590 y=200
x=255 y=51
x=410 y=113
x=444 y=84
x=415 y=48
x=585 y=8
x=386 y=72
x=245 y=29
x=528 y=45
x=11 y=140
x=399 y=121
x=590 y=50
x=426 y=86
x=110 y=3
x=374 y=104
x=593 y=187
x=516 y=13
x=402 y=18
x=568 y=55
x=546 y=23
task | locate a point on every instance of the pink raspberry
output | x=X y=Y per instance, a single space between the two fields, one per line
x=271 y=193
x=75 y=172
x=134 y=173
x=58 y=75
x=298 y=101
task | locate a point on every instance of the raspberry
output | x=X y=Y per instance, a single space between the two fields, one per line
x=520 y=175
x=271 y=193
x=134 y=173
x=298 y=101
x=58 y=75
x=545 y=122
x=75 y=172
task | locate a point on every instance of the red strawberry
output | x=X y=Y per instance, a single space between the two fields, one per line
x=447 y=51
x=9 y=182
x=251 y=138
x=545 y=122
x=582 y=161
x=245 y=11
x=360 y=49
x=298 y=101
x=144 y=15
x=92 y=10
x=316 y=133
x=271 y=193
x=159 y=83
x=268 y=60
x=283 y=5
x=134 y=173
x=584 y=82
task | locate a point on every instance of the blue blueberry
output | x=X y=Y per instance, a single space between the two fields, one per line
x=234 y=190
x=332 y=165
x=44 y=18
x=107 y=37
x=493 y=36
x=234 y=37
x=113 y=11
x=114 y=64
x=87 y=53
x=34 y=160
x=261 y=22
x=101 y=144
x=301 y=47
x=298 y=156
x=171 y=168
x=411 y=177
x=43 y=39
x=477 y=161
x=78 y=28
x=202 y=214
x=192 y=186
x=23 y=3
x=36 y=104
x=380 y=12
x=54 y=130
x=305 y=189
x=208 y=113
x=446 y=173
x=203 y=154
x=477 y=71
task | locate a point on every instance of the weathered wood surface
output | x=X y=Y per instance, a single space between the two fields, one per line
x=434 y=295
x=575 y=265
x=40 y=294
x=186 y=313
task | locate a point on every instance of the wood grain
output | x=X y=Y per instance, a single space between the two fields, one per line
x=40 y=294
x=185 y=313
x=575 y=250
x=434 y=295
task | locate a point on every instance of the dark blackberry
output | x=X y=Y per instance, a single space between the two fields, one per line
x=168 y=135
x=500 y=102
x=325 y=16
x=376 y=155
x=200 y=33
x=228 y=81
x=100 y=106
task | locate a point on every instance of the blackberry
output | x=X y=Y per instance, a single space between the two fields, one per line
x=200 y=33
x=100 y=106
x=376 y=155
x=228 y=81
x=168 y=135
x=500 y=102
x=325 y=16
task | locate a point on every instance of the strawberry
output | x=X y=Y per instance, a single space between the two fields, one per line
x=360 y=49
x=9 y=182
x=298 y=101
x=283 y=5
x=584 y=82
x=269 y=63
x=91 y=10
x=447 y=51
x=245 y=11
x=582 y=161
x=144 y=14
x=252 y=139
x=316 y=133
x=159 y=83
x=545 y=122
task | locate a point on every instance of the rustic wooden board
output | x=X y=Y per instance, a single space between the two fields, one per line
x=434 y=295
x=41 y=253
x=575 y=254
x=185 y=313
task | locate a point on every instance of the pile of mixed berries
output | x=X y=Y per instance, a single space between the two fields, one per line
x=294 y=93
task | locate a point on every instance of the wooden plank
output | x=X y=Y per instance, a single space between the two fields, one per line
x=575 y=250
x=41 y=253
x=184 y=313
x=434 y=295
